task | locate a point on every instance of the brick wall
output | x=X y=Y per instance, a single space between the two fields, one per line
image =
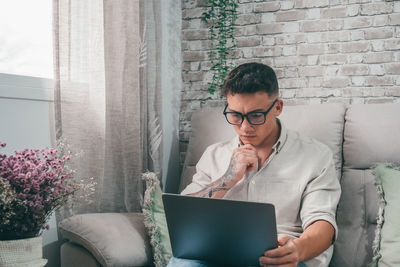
x=322 y=51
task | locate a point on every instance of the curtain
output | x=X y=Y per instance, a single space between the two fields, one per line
x=107 y=97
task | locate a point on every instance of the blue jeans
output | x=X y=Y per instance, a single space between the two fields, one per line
x=176 y=262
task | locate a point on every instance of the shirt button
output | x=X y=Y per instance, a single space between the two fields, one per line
x=253 y=182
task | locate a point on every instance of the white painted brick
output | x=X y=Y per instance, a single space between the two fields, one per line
x=291 y=38
x=267 y=7
x=247 y=52
x=334 y=2
x=293 y=83
x=291 y=27
x=194 y=66
x=333 y=13
x=247 y=30
x=378 y=45
x=373 y=91
x=352 y=47
x=352 y=92
x=307 y=71
x=268 y=40
x=245 y=9
x=355 y=58
x=392 y=68
x=336 y=82
x=285 y=93
x=312 y=60
x=344 y=101
x=393 y=91
x=285 y=5
x=310 y=3
x=378 y=33
x=270 y=28
x=317 y=92
x=357 y=22
x=314 y=13
x=354 y=69
x=335 y=24
x=268 y=61
x=311 y=49
x=313 y=26
x=378 y=80
x=357 y=35
x=378 y=57
x=337 y=36
x=193 y=13
x=333 y=59
x=357 y=100
x=353 y=10
x=394 y=19
x=290 y=61
x=189 y=4
x=376 y=8
x=397 y=79
x=356 y=1
x=358 y=80
x=331 y=71
x=291 y=72
x=381 y=20
x=314 y=100
x=316 y=37
x=297 y=14
x=267 y=18
x=289 y=50
x=245 y=19
x=376 y=69
x=315 y=82
x=273 y=51
x=333 y=48
x=248 y=41
x=396 y=6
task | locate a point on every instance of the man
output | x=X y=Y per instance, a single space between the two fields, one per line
x=268 y=163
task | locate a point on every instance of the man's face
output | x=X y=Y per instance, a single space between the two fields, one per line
x=256 y=135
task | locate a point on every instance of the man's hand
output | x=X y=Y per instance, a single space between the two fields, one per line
x=244 y=159
x=286 y=255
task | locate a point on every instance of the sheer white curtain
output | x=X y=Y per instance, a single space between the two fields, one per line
x=107 y=94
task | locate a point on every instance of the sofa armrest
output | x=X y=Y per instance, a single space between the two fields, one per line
x=114 y=239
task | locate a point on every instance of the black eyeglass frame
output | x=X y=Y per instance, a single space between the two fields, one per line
x=246 y=115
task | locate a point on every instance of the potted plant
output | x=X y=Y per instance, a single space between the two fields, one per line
x=33 y=183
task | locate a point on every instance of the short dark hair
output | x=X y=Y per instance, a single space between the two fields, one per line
x=251 y=78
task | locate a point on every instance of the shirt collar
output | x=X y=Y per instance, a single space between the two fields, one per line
x=282 y=137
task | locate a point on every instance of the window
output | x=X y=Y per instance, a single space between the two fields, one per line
x=26 y=46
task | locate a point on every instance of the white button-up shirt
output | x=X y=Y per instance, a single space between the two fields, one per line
x=299 y=178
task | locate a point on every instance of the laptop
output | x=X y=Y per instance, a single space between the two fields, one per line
x=220 y=231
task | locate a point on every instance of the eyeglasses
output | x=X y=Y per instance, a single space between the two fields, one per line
x=254 y=117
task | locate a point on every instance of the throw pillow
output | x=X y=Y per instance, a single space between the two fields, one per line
x=155 y=222
x=387 y=239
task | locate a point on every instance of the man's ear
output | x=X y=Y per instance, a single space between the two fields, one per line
x=278 y=107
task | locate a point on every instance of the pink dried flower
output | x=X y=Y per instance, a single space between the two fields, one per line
x=33 y=183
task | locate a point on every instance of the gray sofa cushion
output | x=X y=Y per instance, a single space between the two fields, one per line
x=371 y=135
x=356 y=219
x=81 y=256
x=114 y=239
x=324 y=122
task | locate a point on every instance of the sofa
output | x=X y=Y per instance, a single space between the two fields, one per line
x=359 y=135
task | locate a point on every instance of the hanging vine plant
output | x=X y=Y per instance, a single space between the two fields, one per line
x=220 y=17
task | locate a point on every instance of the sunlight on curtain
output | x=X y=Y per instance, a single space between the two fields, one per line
x=107 y=101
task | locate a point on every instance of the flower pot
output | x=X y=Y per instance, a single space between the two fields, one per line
x=22 y=253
